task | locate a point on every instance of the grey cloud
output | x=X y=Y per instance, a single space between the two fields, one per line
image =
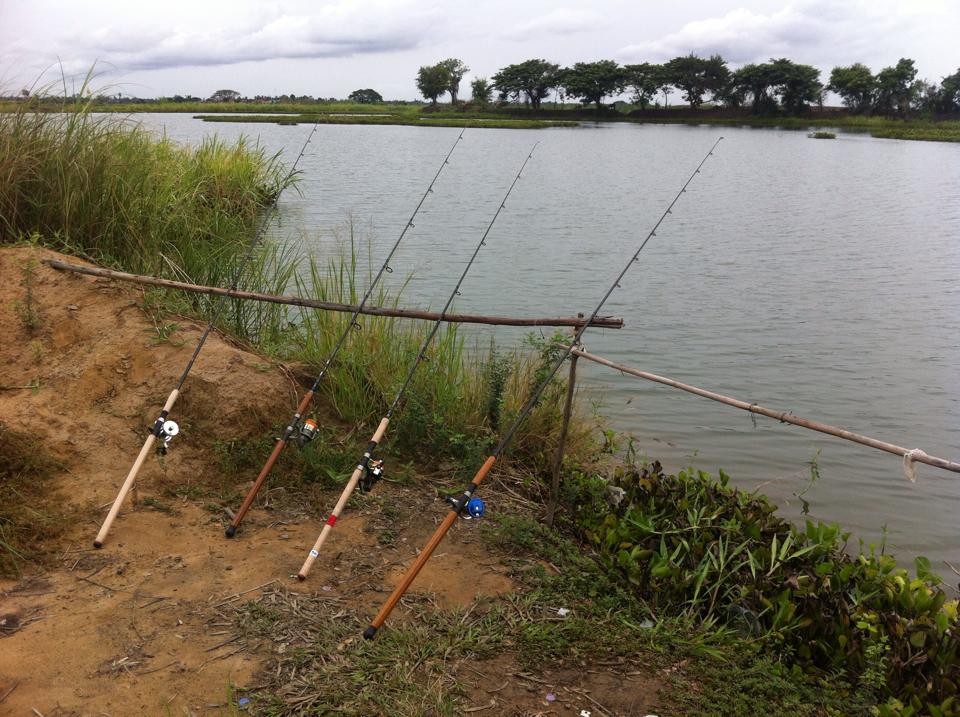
x=807 y=31
x=562 y=21
x=340 y=30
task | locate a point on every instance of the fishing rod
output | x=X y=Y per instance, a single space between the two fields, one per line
x=465 y=502
x=369 y=471
x=163 y=428
x=303 y=431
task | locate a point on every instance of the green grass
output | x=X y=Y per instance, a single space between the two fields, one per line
x=415 y=666
x=460 y=398
x=105 y=188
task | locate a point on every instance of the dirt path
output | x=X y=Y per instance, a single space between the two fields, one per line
x=141 y=626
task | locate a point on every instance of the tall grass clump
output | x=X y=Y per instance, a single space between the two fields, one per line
x=461 y=398
x=106 y=188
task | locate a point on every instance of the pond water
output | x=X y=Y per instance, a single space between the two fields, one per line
x=815 y=276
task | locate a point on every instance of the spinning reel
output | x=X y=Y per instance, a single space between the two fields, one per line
x=307 y=432
x=166 y=431
x=372 y=473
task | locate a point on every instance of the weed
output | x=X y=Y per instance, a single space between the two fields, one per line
x=164 y=333
x=27 y=310
x=159 y=505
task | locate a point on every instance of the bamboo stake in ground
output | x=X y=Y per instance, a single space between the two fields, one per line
x=460 y=503
x=782 y=416
x=561 y=442
x=421 y=355
x=606 y=322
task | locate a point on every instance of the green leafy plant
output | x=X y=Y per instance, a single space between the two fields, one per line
x=694 y=546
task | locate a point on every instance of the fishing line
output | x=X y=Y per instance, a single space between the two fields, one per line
x=465 y=502
x=305 y=430
x=371 y=471
x=163 y=428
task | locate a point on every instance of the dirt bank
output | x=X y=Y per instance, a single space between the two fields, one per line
x=145 y=625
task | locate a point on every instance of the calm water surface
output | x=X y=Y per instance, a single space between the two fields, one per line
x=818 y=277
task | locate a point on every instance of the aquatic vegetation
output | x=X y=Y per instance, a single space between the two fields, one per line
x=693 y=546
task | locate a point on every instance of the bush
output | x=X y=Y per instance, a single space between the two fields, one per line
x=694 y=545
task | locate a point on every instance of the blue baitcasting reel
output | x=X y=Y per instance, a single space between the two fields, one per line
x=475 y=508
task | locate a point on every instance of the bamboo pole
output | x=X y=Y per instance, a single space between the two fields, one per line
x=561 y=443
x=782 y=416
x=604 y=322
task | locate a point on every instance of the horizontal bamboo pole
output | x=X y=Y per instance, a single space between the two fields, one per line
x=606 y=322
x=782 y=416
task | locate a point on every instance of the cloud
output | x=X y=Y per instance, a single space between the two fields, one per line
x=806 y=31
x=562 y=21
x=343 y=29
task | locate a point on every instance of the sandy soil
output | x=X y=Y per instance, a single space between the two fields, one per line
x=137 y=628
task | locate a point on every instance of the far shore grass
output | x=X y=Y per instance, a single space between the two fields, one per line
x=513 y=117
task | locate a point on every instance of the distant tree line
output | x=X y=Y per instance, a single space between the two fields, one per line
x=774 y=87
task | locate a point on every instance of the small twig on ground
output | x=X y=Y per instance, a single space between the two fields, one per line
x=7 y=693
x=489 y=706
x=583 y=693
x=157 y=669
x=236 y=595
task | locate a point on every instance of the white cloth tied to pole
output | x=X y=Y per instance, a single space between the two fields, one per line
x=909 y=469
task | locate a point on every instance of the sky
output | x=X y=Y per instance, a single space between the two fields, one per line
x=328 y=48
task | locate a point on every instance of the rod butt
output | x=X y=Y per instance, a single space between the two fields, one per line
x=98 y=544
x=231 y=530
x=369 y=633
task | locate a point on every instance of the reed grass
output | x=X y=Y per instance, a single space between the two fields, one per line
x=460 y=399
x=105 y=188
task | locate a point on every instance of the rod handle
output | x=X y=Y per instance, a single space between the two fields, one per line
x=131 y=477
x=381 y=429
x=328 y=526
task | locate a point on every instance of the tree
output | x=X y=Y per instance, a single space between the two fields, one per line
x=695 y=76
x=797 y=85
x=480 y=90
x=224 y=96
x=644 y=80
x=592 y=81
x=534 y=79
x=756 y=80
x=925 y=95
x=948 y=99
x=716 y=76
x=456 y=70
x=895 y=88
x=433 y=81
x=366 y=97
x=855 y=85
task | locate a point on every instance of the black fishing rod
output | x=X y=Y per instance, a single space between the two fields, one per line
x=164 y=428
x=304 y=431
x=465 y=502
x=370 y=471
